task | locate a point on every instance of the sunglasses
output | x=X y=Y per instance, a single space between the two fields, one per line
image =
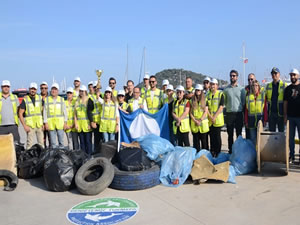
x=121 y=96
x=5 y=86
x=251 y=79
x=152 y=81
x=69 y=93
x=112 y=83
x=233 y=75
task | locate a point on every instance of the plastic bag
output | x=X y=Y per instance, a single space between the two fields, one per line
x=177 y=166
x=79 y=157
x=206 y=153
x=28 y=162
x=133 y=159
x=155 y=146
x=222 y=157
x=59 y=170
x=232 y=175
x=243 y=157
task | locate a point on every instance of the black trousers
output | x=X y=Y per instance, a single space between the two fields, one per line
x=197 y=138
x=182 y=138
x=97 y=139
x=215 y=140
x=234 y=120
x=11 y=129
x=275 y=120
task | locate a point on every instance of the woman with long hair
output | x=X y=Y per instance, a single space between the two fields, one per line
x=82 y=123
x=199 y=121
x=109 y=122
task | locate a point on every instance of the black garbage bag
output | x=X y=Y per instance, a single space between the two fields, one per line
x=28 y=161
x=133 y=159
x=59 y=170
x=79 y=157
x=107 y=150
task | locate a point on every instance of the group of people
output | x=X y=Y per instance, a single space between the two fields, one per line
x=87 y=114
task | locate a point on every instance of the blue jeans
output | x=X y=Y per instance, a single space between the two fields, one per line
x=251 y=134
x=86 y=142
x=108 y=136
x=294 y=123
x=74 y=138
x=60 y=137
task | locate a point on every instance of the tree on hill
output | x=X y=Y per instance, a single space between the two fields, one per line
x=173 y=75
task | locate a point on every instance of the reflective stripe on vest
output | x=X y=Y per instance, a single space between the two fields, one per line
x=33 y=113
x=255 y=109
x=204 y=125
x=155 y=104
x=282 y=85
x=55 y=113
x=213 y=106
x=108 y=117
x=82 y=117
x=14 y=100
x=70 y=111
x=179 y=109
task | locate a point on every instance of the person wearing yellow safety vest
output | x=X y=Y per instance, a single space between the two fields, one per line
x=93 y=112
x=109 y=122
x=136 y=102
x=199 y=120
x=82 y=123
x=274 y=95
x=71 y=130
x=189 y=90
x=112 y=83
x=165 y=83
x=9 y=120
x=44 y=94
x=55 y=117
x=146 y=86
x=206 y=85
x=123 y=106
x=255 y=110
x=215 y=101
x=33 y=124
x=154 y=97
x=181 y=123
x=76 y=83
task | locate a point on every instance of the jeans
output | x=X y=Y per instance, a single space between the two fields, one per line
x=251 y=134
x=60 y=137
x=294 y=123
x=234 y=120
x=74 y=138
x=274 y=120
x=86 y=142
x=108 y=136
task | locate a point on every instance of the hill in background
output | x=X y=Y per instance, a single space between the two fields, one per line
x=173 y=75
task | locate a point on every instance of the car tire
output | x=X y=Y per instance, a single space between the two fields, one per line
x=10 y=180
x=104 y=171
x=136 y=180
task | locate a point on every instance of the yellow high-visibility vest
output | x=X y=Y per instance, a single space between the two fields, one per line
x=157 y=102
x=82 y=117
x=55 y=113
x=198 y=113
x=213 y=106
x=33 y=113
x=70 y=107
x=282 y=85
x=130 y=103
x=179 y=109
x=108 y=117
x=14 y=100
x=97 y=108
x=255 y=109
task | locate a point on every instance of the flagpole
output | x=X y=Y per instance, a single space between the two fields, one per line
x=244 y=64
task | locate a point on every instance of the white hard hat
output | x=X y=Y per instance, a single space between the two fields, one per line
x=95 y=83
x=214 y=81
x=55 y=85
x=121 y=92
x=199 y=87
x=82 y=88
x=207 y=78
x=44 y=83
x=108 y=89
x=33 y=85
x=170 y=87
x=180 y=88
x=77 y=78
x=295 y=71
x=70 y=89
x=147 y=76
x=91 y=83
x=165 y=82
x=5 y=83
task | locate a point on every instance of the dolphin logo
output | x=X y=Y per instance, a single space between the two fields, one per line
x=108 y=203
x=98 y=217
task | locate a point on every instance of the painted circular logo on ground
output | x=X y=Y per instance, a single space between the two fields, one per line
x=103 y=211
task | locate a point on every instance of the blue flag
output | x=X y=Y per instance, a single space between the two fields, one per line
x=140 y=123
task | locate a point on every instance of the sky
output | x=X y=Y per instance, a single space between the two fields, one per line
x=63 y=39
